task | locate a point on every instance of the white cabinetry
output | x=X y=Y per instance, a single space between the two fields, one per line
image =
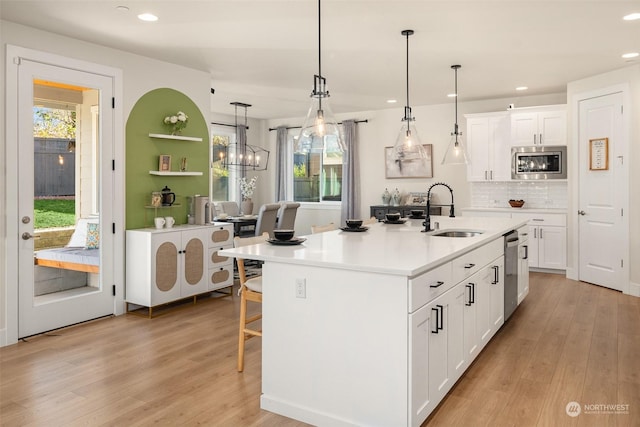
x=489 y=147
x=523 y=262
x=165 y=265
x=220 y=267
x=453 y=322
x=539 y=126
x=547 y=245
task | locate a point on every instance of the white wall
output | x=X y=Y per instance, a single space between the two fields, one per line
x=631 y=76
x=140 y=75
x=434 y=124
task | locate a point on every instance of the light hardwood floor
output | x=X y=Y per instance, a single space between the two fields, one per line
x=568 y=341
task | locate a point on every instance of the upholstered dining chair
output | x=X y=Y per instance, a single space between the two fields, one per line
x=230 y=208
x=250 y=290
x=287 y=215
x=322 y=228
x=266 y=222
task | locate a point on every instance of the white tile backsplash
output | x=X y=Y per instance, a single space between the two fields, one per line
x=536 y=194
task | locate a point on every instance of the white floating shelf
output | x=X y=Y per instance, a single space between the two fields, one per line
x=176 y=137
x=175 y=173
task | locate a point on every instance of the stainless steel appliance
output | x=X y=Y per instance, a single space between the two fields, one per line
x=510 y=273
x=539 y=162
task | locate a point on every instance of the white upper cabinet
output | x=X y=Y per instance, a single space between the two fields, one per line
x=539 y=126
x=489 y=147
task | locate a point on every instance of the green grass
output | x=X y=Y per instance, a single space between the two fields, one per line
x=50 y=213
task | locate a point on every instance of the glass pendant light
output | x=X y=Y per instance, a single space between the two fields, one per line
x=320 y=130
x=456 y=151
x=408 y=146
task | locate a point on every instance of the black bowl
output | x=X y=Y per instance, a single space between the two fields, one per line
x=394 y=216
x=283 y=234
x=418 y=213
x=354 y=223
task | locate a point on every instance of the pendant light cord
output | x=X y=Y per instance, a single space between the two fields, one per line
x=407 y=108
x=322 y=88
x=407 y=33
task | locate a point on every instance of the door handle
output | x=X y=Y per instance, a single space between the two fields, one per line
x=526 y=252
x=26 y=236
x=581 y=212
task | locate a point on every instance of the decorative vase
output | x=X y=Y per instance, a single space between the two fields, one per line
x=386 y=197
x=395 y=198
x=246 y=206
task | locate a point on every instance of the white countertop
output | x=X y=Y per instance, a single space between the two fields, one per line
x=397 y=249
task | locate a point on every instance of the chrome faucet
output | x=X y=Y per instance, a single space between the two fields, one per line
x=427 y=221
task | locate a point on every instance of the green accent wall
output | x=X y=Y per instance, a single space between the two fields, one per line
x=142 y=156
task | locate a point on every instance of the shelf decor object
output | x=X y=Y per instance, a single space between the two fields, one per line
x=320 y=132
x=456 y=152
x=408 y=148
x=240 y=155
x=177 y=122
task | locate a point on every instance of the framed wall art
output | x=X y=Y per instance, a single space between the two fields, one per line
x=599 y=154
x=408 y=168
x=164 y=164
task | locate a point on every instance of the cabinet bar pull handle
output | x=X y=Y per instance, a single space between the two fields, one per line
x=437 y=285
x=470 y=265
x=470 y=287
x=437 y=328
x=441 y=316
x=496 y=270
x=540 y=139
x=526 y=252
x=535 y=233
x=473 y=293
x=534 y=139
x=541 y=233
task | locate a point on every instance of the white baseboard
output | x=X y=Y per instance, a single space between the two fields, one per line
x=3 y=337
x=634 y=289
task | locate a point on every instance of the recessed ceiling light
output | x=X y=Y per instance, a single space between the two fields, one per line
x=522 y=88
x=452 y=95
x=149 y=17
x=122 y=8
x=632 y=16
x=391 y=101
x=630 y=55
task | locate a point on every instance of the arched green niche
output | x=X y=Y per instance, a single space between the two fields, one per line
x=143 y=151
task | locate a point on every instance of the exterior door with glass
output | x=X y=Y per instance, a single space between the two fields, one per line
x=49 y=297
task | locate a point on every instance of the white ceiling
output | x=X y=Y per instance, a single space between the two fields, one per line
x=265 y=52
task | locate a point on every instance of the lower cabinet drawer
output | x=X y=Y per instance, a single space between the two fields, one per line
x=426 y=287
x=220 y=277
x=467 y=264
x=216 y=260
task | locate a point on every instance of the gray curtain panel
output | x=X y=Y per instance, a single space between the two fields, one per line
x=350 y=173
x=281 y=163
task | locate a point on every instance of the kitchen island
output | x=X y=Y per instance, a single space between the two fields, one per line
x=374 y=327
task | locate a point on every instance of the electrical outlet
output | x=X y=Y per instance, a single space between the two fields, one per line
x=301 y=288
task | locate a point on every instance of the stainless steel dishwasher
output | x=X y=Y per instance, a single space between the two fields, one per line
x=510 y=273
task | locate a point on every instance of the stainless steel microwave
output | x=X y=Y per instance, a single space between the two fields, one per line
x=539 y=162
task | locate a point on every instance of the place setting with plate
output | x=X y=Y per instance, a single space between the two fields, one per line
x=285 y=238
x=354 y=225
x=394 y=218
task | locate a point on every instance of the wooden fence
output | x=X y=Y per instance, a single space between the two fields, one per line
x=54 y=168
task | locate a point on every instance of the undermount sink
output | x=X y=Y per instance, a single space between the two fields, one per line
x=456 y=233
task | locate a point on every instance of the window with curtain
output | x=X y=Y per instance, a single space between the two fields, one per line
x=317 y=176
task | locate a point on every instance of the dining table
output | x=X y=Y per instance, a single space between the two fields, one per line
x=239 y=222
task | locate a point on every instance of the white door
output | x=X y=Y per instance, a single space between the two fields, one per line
x=603 y=191
x=38 y=312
